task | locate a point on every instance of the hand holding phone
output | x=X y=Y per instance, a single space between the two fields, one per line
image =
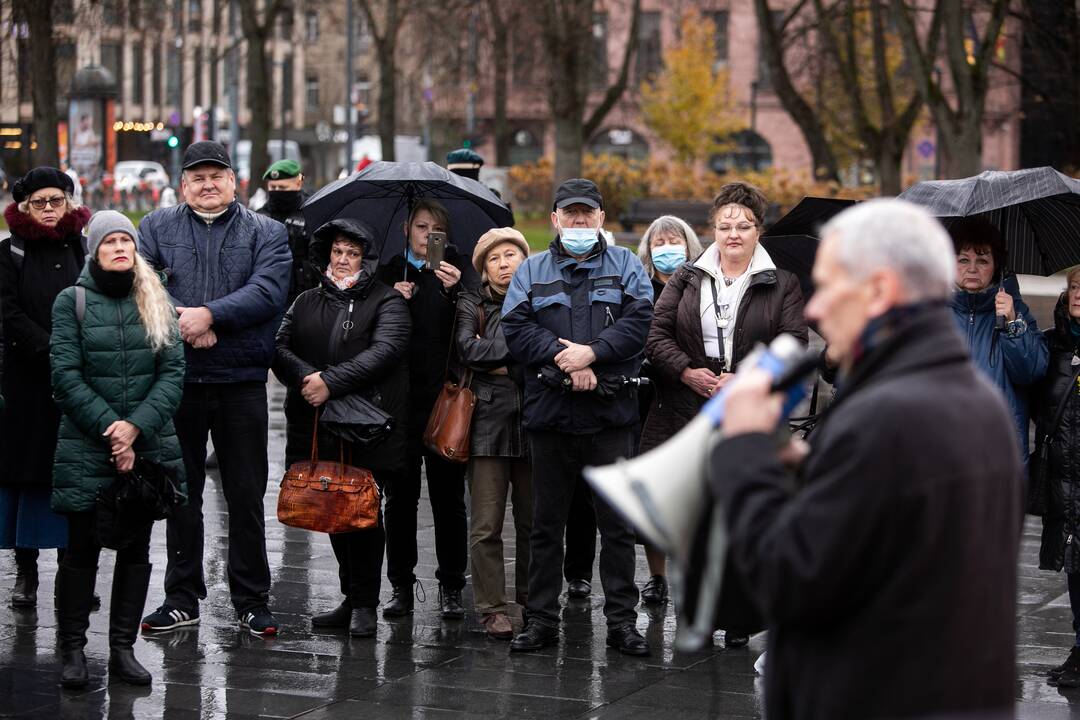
x=436 y=249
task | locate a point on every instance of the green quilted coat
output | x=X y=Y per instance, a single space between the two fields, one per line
x=102 y=371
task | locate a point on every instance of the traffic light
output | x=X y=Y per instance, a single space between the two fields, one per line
x=173 y=141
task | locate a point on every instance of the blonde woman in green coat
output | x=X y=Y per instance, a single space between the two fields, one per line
x=117 y=376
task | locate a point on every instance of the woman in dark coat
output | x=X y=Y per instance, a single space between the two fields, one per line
x=1060 y=549
x=349 y=335
x=498 y=456
x=431 y=296
x=44 y=255
x=117 y=376
x=711 y=314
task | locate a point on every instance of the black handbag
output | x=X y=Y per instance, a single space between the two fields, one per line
x=1043 y=497
x=134 y=500
x=355 y=419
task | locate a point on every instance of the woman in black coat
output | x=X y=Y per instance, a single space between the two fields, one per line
x=1060 y=548
x=350 y=335
x=44 y=255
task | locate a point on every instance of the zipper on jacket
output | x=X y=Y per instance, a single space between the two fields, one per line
x=348 y=324
x=610 y=318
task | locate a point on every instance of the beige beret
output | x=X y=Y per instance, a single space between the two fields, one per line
x=493 y=237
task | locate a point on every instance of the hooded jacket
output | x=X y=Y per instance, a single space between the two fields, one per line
x=357 y=338
x=238 y=266
x=1012 y=363
x=603 y=300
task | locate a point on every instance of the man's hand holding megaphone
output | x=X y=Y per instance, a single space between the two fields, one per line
x=752 y=406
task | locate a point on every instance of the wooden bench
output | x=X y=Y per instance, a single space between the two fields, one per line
x=644 y=211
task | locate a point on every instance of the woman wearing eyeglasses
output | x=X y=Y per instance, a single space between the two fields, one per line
x=44 y=255
x=711 y=314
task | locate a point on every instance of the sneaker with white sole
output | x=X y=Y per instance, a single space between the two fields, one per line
x=168 y=617
x=259 y=621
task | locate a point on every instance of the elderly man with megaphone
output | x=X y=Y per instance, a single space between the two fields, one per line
x=888 y=580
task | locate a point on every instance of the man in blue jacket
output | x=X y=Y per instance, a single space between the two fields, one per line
x=228 y=272
x=577 y=316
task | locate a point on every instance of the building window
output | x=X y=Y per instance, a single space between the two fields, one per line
x=286 y=22
x=649 y=59
x=135 y=13
x=311 y=26
x=363 y=33
x=172 y=74
x=198 y=76
x=155 y=76
x=137 y=73
x=599 y=71
x=720 y=36
x=194 y=16
x=112 y=59
x=311 y=92
x=234 y=18
x=177 y=16
x=764 y=79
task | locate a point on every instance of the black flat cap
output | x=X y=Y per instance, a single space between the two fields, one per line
x=578 y=191
x=204 y=152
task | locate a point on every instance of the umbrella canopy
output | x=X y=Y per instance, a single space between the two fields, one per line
x=382 y=193
x=1037 y=211
x=792 y=241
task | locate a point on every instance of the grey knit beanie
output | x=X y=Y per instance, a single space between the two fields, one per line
x=102 y=224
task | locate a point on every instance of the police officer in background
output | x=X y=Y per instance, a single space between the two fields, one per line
x=465 y=162
x=285 y=200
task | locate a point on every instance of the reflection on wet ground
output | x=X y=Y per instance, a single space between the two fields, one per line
x=422 y=666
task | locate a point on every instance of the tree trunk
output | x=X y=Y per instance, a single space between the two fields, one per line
x=569 y=148
x=502 y=127
x=961 y=147
x=889 y=159
x=387 y=98
x=259 y=104
x=38 y=15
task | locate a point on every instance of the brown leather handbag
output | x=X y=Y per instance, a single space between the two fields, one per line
x=449 y=427
x=329 y=497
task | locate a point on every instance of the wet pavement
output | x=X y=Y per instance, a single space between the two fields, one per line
x=423 y=666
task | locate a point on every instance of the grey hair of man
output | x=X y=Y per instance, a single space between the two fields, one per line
x=895 y=234
x=668 y=225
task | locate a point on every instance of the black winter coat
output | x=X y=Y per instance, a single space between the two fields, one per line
x=432 y=312
x=53 y=260
x=367 y=358
x=303 y=276
x=496 y=426
x=906 y=527
x=1059 y=547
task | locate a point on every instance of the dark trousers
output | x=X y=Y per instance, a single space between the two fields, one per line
x=558 y=460
x=360 y=555
x=84 y=549
x=580 y=535
x=1074 y=601
x=446 y=490
x=235 y=416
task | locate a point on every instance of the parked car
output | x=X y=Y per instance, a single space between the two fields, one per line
x=128 y=175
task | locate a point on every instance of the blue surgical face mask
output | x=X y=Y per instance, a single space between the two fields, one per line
x=579 y=241
x=668 y=258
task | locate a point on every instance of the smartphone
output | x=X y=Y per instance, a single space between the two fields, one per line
x=436 y=249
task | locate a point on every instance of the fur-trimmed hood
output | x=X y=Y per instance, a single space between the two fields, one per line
x=28 y=228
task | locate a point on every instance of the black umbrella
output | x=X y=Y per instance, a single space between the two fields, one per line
x=355 y=419
x=792 y=240
x=382 y=193
x=1037 y=211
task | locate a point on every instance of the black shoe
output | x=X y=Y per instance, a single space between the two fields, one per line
x=655 y=591
x=362 y=622
x=735 y=639
x=1071 y=662
x=336 y=618
x=24 y=594
x=578 y=589
x=75 y=587
x=450 y=604
x=129 y=586
x=627 y=640
x=401 y=602
x=535 y=637
x=259 y=621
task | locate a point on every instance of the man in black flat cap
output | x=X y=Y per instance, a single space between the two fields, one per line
x=228 y=272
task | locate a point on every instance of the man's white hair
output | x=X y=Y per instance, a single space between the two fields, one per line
x=898 y=235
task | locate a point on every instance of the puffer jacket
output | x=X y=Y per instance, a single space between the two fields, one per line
x=1058 y=550
x=238 y=266
x=1012 y=363
x=103 y=370
x=496 y=430
x=603 y=300
x=368 y=357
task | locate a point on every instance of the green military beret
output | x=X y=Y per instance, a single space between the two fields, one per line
x=282 y=170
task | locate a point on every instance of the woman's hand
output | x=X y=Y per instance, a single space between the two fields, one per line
x=448 y=274
x=1004 y=305
x=121 y=435
x=314 y=390
x=700 y=380
x=722 y=380
x=125 y=461
x=405 y=288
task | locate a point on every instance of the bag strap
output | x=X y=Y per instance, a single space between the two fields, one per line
x=17 y=248
x=315 y=439
x=466 y=375
x=1048 y=438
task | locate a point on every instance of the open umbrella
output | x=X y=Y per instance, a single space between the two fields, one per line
x=792 y=241
x=382 y=193
x=1037 y=211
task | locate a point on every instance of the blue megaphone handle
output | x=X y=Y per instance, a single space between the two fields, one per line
x=770 y=363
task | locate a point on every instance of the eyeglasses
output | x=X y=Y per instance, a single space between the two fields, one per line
x=40 y=203
x=741 y=228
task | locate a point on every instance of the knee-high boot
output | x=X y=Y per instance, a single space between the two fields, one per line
x=130 y=583
x=74 y=595
x=96 y=602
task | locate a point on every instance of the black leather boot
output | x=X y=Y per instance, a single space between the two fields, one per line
x=95 y=603
x=401 y=602
x=24 y=595
x=130 y=583
x=362 y=623
x=74 y=594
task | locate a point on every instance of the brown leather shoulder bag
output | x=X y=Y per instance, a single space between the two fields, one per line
x=449 y=427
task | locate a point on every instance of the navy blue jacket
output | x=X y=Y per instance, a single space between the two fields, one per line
x=603 y=300
x=238 y=266
x=1011 y=363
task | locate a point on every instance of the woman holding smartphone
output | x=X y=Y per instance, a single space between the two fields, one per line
x=431 y=291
